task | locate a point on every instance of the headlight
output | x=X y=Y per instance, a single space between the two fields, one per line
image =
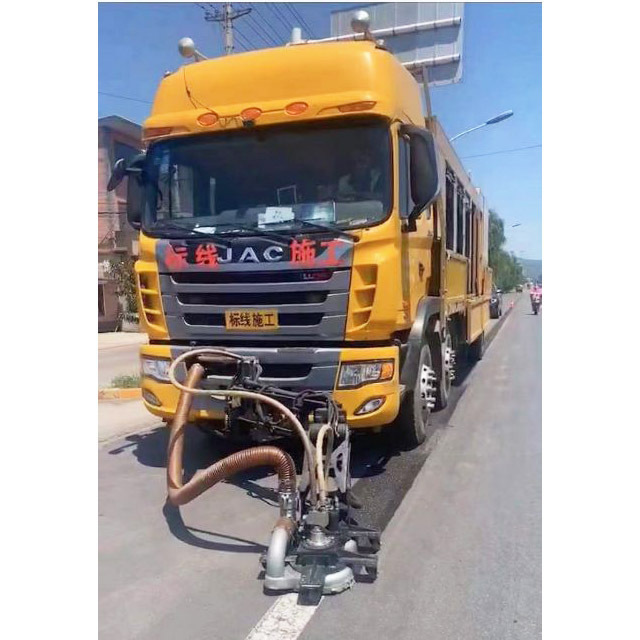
x=156 y=368
x=355 y=374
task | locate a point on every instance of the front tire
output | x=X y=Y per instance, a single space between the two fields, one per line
x=413 y=418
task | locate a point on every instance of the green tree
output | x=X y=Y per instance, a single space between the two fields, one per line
x=122 y=271
x=496 y=238
x=507 y=271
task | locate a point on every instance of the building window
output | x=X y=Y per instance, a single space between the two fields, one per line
x=101 y=299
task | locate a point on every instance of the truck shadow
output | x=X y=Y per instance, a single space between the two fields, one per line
x=369 y=457
x=186 y=534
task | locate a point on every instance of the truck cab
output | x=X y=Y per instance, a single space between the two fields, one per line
x=294 y=204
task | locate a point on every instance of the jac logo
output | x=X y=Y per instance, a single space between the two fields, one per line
x=306 y=252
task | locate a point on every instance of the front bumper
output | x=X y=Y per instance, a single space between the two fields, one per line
x=290 y=368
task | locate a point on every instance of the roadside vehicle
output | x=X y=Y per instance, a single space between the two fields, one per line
x=495 y=304
x=295 y=204
x=519 y=288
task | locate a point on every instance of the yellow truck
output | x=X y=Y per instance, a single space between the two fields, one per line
x=296 y=205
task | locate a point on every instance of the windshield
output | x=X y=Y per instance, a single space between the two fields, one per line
x=284 y=177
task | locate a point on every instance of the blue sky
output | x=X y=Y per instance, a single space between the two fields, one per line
x=502 y=69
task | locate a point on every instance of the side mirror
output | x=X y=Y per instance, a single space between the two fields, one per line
x=135 y=200
x=135 y=186
x=117 y=175
x=424 y=176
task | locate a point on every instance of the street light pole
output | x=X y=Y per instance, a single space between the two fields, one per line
x=494 y=120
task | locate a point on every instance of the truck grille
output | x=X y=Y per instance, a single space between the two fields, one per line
x=311 y=304
x=254 y=299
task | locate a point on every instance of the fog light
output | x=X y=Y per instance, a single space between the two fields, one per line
x=151 y=398
x=369 y=406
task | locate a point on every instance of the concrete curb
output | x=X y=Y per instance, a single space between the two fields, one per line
x=119 y=394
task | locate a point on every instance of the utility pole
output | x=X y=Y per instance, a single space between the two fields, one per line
x=226 y=18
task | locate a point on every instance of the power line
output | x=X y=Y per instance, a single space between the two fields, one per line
x=262 y=35
x=268 y=22
x=265 y=34
x=299 y=18
x=226 y=18
x=274 y=6
x=115 y=95
x=275 y=10
x=493 y=153
x=244 y=41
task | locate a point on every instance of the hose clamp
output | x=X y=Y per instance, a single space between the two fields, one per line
x=288 y=504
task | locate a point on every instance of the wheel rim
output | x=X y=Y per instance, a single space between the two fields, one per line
x=448 y=364
x=426 y=392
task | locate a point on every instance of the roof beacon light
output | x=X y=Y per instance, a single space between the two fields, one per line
x=187 y=49
x=360 y=23
x=296 y=35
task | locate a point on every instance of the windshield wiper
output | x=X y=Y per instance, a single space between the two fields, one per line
x=332 y=228
x=280 y=239
x=168 y=224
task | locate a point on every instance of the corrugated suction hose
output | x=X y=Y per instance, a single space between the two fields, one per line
x=179 y=493
x=189 y=390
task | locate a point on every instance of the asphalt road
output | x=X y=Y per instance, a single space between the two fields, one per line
x=461 y=517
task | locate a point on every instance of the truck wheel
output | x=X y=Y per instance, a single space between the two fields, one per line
x=413 y=417
x=447 y=373
x=476 y=349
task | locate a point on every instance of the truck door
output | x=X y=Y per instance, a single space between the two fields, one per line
x=416 y=245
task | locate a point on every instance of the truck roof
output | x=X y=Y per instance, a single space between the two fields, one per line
x=322 y=75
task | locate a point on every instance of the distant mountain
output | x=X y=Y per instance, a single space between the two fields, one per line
x=531 y=268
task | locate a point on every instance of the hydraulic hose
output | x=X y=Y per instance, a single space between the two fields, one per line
x=320 y=467
x=179 y=493
x=188 y=390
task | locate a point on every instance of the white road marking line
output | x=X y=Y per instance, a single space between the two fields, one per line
x=285 y=620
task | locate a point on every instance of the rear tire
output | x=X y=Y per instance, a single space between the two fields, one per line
x=413 y=418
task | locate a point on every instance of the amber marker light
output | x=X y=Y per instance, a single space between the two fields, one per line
x=154 y=132
x=252 y=113
x=208 y=119
x=386 y=373
x=357 y=106
x=296 y=108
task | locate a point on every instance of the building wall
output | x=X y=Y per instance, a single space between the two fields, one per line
x=116 y=238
